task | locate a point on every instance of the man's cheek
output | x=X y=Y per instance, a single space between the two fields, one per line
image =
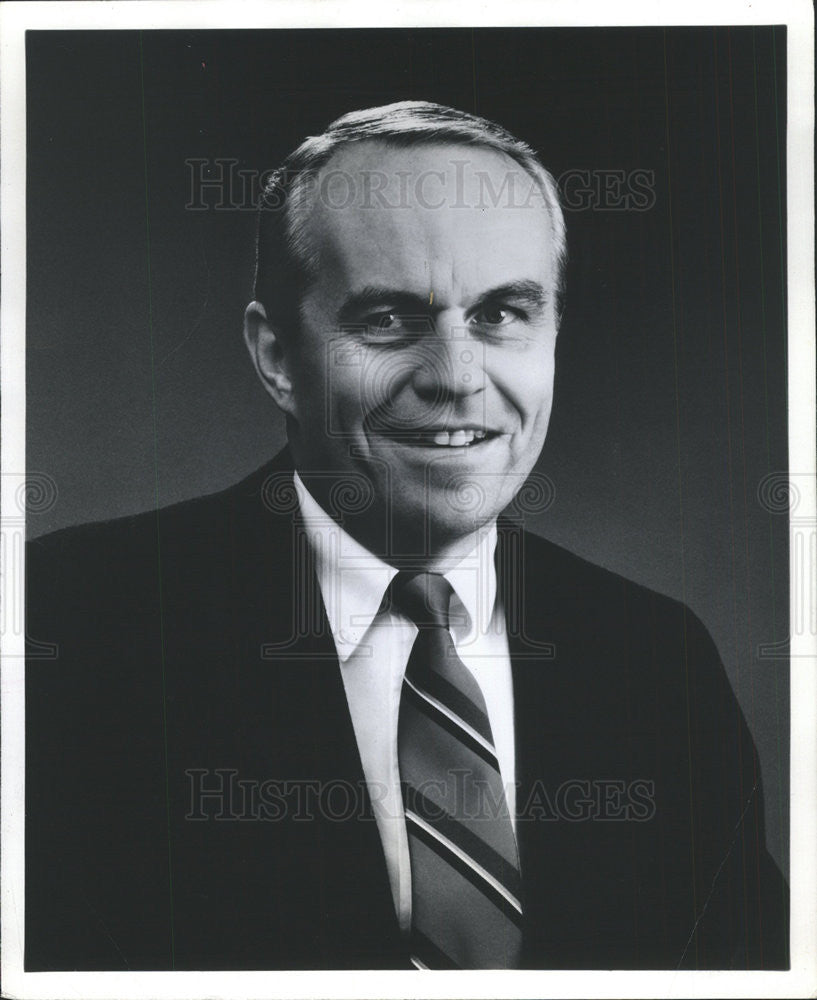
x=529 y=394
x=535 y=390
x=386 y=373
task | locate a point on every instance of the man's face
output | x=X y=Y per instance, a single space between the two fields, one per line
x=425 y=358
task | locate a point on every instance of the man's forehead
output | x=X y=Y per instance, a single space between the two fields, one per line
x=371 y=191
x=376 y=174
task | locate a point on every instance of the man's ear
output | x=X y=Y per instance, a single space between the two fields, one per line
x=268 y=356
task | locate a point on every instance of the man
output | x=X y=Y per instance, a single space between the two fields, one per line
x=347 y=714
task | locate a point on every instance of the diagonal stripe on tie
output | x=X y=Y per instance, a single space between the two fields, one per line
x=466 y=866
x=461 y=837
x=442 y=691
x=454 y=726
x=466 y=909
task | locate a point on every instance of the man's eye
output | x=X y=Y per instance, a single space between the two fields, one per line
x=494 y=316
x=384 y=326
x=385 y=321
x=392 y=325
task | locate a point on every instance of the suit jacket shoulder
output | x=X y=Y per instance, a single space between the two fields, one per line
x=634 y=739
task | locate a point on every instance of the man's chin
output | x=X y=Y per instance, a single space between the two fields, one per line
x=427 y=532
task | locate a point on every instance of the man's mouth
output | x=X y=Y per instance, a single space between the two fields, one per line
x=440 y=437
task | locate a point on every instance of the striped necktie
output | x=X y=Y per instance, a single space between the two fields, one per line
x=465 y=882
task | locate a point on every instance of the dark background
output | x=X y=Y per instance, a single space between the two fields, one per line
x=670 y=404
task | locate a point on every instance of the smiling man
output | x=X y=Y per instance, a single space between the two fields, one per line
x=348 y=713
x=422 y=356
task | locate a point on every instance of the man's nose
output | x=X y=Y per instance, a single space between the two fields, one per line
x=450 y=363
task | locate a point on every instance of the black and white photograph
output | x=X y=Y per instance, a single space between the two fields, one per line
x=408 y=503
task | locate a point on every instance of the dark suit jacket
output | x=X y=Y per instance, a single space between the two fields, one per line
x=192 y=642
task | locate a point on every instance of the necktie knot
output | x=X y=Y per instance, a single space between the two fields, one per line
x=425 y=598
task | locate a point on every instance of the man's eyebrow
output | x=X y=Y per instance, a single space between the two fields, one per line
x=370 y=297
x=373 y=296
x=526 y=292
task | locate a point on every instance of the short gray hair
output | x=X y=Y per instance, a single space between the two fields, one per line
x=283 y=265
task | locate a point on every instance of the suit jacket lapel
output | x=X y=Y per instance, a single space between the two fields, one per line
x=529 y=599
x=294 y=645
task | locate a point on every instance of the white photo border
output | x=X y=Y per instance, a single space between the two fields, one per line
x=15 y=18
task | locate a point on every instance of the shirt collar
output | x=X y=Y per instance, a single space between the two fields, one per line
x=474 y=583
x=354 y=580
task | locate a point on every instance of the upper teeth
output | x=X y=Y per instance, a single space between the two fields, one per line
x=459 y=438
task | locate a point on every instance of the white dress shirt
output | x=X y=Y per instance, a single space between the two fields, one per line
x=373 y=650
